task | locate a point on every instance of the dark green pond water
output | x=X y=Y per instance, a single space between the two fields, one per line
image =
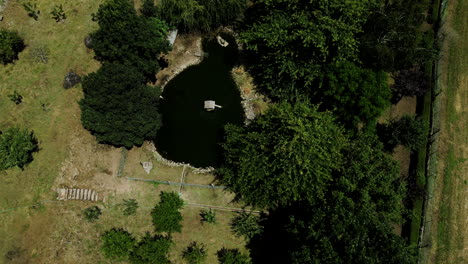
x=189 y=133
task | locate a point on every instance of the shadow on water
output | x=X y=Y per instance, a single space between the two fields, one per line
x=189 y=133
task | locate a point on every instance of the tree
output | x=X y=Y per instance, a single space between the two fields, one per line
x=286 y=155
x=208 y=216
x=118 y=108
x=195 y=253
x=10 y=45
x=58 y=14
x=92 y=213
x=410 y=82
x=246 y=224
x=151 y=249
x=355 y=95
x=354 y=221
x=117 y=243
x=16 y=147
x=232 y=256
x=392 y=37
x=148 y=9
x=199 y=15
x=290 y=41
x=128 y=39
x=131 y=207
x=407 y=131
x=166 y=215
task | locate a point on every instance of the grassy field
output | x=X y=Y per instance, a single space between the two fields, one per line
x=69 y=156
x=449 y=224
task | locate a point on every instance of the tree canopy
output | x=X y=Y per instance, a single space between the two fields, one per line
x=10 y=45
x=117 y=244
x=410 y=82
x=199 y=15
x=195 y=253
x=166 y=215
x=232 y=256
x=118 y=108
x=16 y=147
x=151 y=250
x=290 y=41
x=286 y=155
x=355 y=95
x=407 y=131
x=127 y=38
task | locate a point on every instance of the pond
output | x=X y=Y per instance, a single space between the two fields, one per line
x=189 y=133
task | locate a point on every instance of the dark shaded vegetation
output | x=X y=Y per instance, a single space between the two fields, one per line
x=166 y=215
x=92 y=213
x=407 y=131
x=195 y=253
x=10 y=45
x=16 y=147
x=232 y=256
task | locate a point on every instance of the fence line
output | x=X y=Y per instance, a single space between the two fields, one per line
x=212 y=186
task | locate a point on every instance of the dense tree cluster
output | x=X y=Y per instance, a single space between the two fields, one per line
x=118 y=107
x=10 y=45
x=127 y=38
x=16 y=147
x=166 y=215
x=199 y=15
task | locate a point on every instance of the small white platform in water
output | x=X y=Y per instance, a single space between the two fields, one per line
x=210 y=105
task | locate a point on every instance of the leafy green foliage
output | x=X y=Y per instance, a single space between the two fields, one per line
x=407 y=131
x=246 y=224
x=195 y=253
x=16 y=147
x=126 y=38
x=392 y=37
x=58 y=14
x=118 y=108
x=208 y=216
x=166 y=215
x=151 y=249
x=32 y=10
x=91 y=214
x=131 y=207
x=117 y=243
x=16 y=98
x=352 y=224
x=10 y=45
x=290 y=41
x=148 y=9
x=286 y=155
x=232 y=256
x=199 y=15
x=355 y=95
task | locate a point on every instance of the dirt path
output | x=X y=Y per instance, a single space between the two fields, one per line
x=449 y=225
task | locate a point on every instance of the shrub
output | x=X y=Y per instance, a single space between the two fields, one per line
x=131 y=207
x=40 y=54
x=208 y=216
x=58 y=14
x=92 y=213
x=166 y=215
x=71 y=79
x=31 y=9
x=16 y=147
x=151 y=249
x=246 y=224
x=117 y=243
x=195 y=253
x=148 y=9
x=16 y=98
x=232 y=256
x=10 y=45
x=407 y=131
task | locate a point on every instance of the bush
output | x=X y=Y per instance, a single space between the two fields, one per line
x=31 y=9
x=16 y=147
x=40 y=54
x=151 y=249
x=71 y=79
x=117 y=244
x=148 y=9
x=407 y=131
x=195 y=253
x=92 y=213
x=16 y=98
x=232 y=256
x=131 y=207
x=166 y=215
x=208 y=216
x=246 y=224
x=10 y=45
x=58 y=14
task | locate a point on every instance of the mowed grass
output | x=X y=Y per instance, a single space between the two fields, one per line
x=451 y=238
x=55 y=232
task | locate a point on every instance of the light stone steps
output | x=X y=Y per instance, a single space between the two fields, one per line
x=77 y=194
